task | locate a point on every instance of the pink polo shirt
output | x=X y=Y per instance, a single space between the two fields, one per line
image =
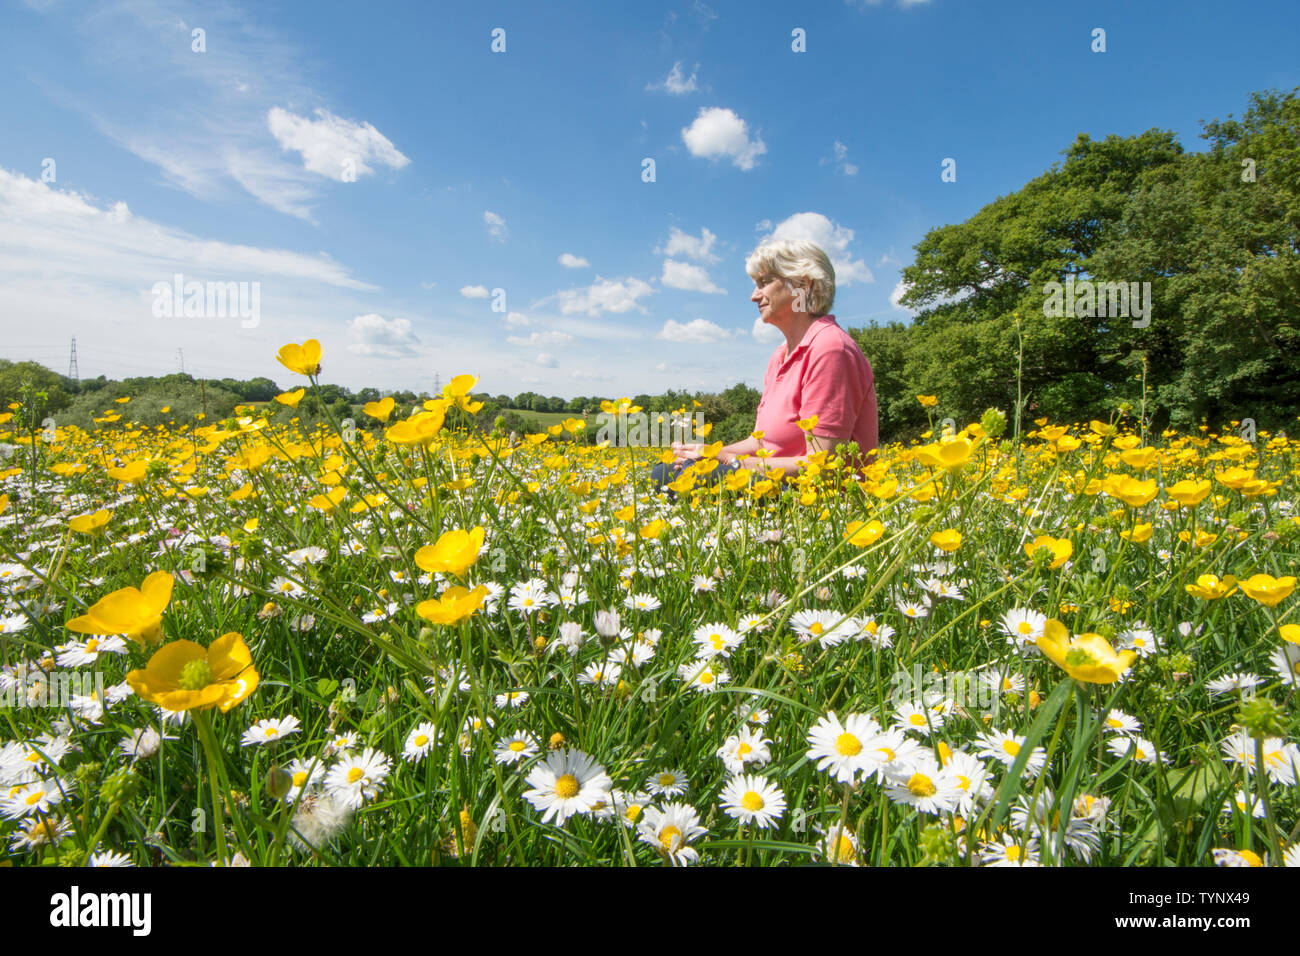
x=828 y=376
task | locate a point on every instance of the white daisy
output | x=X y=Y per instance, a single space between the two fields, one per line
x=752 y=799
x=353 y=779
x=748 y=746
x=671 y=831
x=515 y=749
x=419 y=742
x=269 y=730
x=565 y=783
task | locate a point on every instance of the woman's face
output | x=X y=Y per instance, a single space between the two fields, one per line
x=775 y=301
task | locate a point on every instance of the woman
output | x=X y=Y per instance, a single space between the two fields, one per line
x=819 y=370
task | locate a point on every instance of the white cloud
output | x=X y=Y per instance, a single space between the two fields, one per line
x=834 y=241
x=605 y=295
x=546 y=360
x=53 y=231
x=685 y=275
x=517 y=320
x=570 y=261
x=496 y=226
x=378 y=337
x=474 y=291
x=677 y=82
x=767 y=334
x=841 y=153
x=539 y=339
x=695 y=332
x=684 y=244
x=895 y=297
x=719 y=132
x=332 y=146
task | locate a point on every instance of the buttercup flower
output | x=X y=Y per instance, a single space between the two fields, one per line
x=1085 y=657
x=185 y=676
x=134 y=612
x=303 y=359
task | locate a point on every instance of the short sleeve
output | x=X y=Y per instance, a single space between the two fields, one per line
x=834 y=387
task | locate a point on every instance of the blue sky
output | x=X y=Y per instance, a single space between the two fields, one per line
x=379 y=171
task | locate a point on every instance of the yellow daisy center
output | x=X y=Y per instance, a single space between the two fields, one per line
x=844 y=851
x=847 y=745
x=717 y=641
x=743 y=749
x=1024 y=627
x=706 y=677
x=566 y=786
x=300 y=778
x=887 y=751
x=921 y=786
x=667 y=780
x=355 y=774
x=34 y=798
x=92 y=645
x=271 y=731
x=1011 y=747
x=816 y=627
x=421 y=740
x=917 y=720
x=633 y=812
x=670 y=837
x=1013 y=853
x=517 y=746
x=751 y=801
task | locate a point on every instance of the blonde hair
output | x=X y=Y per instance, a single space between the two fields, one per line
x=792 y=260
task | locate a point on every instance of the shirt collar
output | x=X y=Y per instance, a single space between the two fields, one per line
x=819 y=325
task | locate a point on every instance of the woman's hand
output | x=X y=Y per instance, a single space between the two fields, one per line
x=686 y=451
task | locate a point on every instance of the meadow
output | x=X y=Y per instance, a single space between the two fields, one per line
x=400 y=641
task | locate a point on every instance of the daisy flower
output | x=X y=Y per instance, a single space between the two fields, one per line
x=748 y=746
x=287 y=588
x=571 y=637
x=923 y=785
x=1243 y=803
x=302 y=774
x=342 y=743
x=703 y=583
x=751 y=622
x=970 y=778
x=1009 y=852
x=269 y=730
x=565 y=783
x=1005 y=748
x=1118 y=722
x=419 y=742
x=515 y=749
x=354 y=778
x=911 y=717
x=1280 y=758
x=1230 y=857
x=751 y=799
x=1023 y=627
x=1003 y=682
x=141 y=743
x=43 y=831
x=641 y=602
x=79 y=654
x=838 y=846
x=913 y=610
x=669 y=783
x=1242 y=681
x=39 y=797
x=531 y=596
x=880 y=636
x=703 y=677
x=627 y=806
x=110 y=859
x=601 y=675
x=714 y=640
x=513 y=698
x=671 y=831
x=827 y=627
x=1143 y=750
x=942 y=589
x=1139 y=639
x=840 y=747
x=1286 y=664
